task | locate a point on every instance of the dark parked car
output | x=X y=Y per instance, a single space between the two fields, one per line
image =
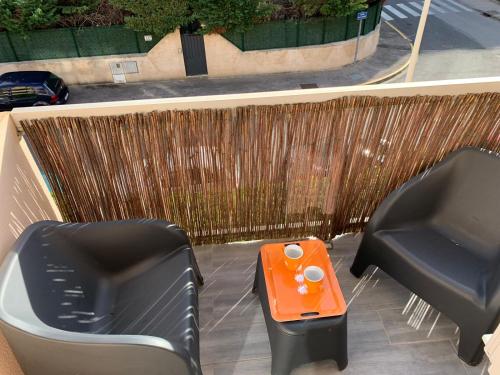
x=30 y=88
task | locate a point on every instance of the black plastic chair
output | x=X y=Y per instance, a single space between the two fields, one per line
x=102 y=298
x=439 y=235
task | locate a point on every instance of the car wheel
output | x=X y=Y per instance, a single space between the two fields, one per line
x=37 y=104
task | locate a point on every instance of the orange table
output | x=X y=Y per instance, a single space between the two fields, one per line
x=285 y=288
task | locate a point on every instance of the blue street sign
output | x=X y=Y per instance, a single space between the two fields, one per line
x=362 y=15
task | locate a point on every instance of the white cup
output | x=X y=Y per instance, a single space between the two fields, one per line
x=293 y=254
x=313 y=277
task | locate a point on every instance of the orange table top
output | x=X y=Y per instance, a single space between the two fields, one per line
x=285 y=287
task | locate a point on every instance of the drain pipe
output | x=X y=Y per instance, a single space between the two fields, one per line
x=418 y=41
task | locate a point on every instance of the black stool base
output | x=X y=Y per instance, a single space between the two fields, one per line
x=300 y=342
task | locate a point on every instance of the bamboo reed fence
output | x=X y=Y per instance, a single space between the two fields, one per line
x=258 y=171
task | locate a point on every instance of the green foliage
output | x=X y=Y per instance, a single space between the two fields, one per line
x=230 y=15
x=70 y=7
x=329 y=8
x=158 y=17
x=21 y=16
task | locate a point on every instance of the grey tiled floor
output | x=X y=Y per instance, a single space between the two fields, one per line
x=389 y=332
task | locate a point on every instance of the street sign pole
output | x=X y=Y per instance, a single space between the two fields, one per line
x=360 y=16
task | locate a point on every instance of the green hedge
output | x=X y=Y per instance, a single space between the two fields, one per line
x=72 y=42
x=298 y=33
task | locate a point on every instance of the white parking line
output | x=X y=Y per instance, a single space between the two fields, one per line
x=419 y=7
x=394 y=11
x=386 y=17
x=457 y=4
x=409 y=10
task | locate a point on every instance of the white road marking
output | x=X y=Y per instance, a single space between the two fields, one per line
x=394 y=11
x=386 y=17
x=446 y=6
x=437 y=9
x=419 y=7
x=457 y=4
x=408 y=10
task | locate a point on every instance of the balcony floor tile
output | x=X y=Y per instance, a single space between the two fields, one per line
x=388 y=334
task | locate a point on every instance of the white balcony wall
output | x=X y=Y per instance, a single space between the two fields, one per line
x=24 y=199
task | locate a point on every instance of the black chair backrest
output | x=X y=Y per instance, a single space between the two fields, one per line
x=469 y=209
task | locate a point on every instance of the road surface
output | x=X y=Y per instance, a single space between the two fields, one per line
x=461 y=39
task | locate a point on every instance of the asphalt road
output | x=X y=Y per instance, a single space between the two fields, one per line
x=461 y=39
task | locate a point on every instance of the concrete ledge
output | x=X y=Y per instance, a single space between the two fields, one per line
x=449 y=87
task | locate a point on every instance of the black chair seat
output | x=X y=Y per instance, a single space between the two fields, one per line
x=448 y=263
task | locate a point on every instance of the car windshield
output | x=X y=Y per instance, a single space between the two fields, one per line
x=4 y=95
x=53 y=83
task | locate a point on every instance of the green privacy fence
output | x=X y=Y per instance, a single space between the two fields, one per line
x=72 y=42
x=297 y=33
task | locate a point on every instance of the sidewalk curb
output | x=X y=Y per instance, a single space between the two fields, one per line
x=398 y=70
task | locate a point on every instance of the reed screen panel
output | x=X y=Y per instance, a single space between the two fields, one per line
x=251 y=172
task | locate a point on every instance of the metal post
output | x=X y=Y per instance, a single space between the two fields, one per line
x=137 y=44
x=297 y=35
x=75 y=42
x=418 y=40
x=11 y=45
x=323 y=31
x=357 y=40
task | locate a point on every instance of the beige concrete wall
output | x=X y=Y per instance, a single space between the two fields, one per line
x=164 y=61
x=24 y=199
x=225 y=59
